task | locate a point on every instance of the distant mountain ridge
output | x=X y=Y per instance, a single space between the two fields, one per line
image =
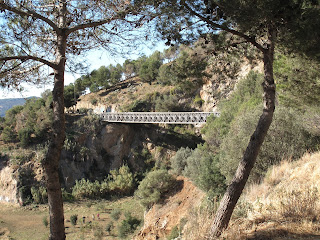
x=6 y=104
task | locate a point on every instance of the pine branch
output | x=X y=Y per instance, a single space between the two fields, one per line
x=225 y=28
x=25 y=58
x=30 y=13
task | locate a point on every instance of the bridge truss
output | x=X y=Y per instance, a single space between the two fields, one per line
x=158 y=117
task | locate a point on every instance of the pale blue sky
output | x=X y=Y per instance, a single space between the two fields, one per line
x=96 y=59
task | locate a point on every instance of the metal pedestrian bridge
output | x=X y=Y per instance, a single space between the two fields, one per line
x=158 y=117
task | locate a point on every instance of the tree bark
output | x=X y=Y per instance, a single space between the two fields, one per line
x=240 y=178
x=51 y=162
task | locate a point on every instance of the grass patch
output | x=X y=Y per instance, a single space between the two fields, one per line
x=25 y=223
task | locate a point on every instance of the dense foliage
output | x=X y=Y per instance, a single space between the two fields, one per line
x=289 y=136
x=153 y=187
x=118 y=183
x=28 y=124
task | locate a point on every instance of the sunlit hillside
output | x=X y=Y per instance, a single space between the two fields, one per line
x=285 y=206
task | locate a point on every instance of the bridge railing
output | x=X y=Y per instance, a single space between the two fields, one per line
x=158 y=117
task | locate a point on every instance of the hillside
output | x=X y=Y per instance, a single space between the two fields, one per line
x=103 y=160
x=285 y=206
x=6 y=104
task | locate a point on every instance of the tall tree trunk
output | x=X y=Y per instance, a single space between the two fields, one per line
x=51 y=163
x=240 y=178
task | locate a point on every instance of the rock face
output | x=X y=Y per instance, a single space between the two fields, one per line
x=109 y=147
x=161 y=219
x=117 y=144
x=16 y=181
x=8 y=185
x=100 y=153
x=217 y=87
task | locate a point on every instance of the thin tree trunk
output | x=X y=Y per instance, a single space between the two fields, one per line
x=240 y=178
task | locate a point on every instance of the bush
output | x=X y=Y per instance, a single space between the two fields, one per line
x=86 y=189
x=128 y=225
x=115 y=214
x=74 y=219
x=109 y=227
x=39 y=194
x=202 y=169
x=168 y=103
x=198 y=101
x=139 y=106
x=98 y=233
x=297 y=204
x=66 y=196
x=154 y=187
x=179 y=161
x=174 y=233
x=94 y=101
x=25 y=136
x=286 y=138
x=8 y=135
x=121 y=182
x=45 y=221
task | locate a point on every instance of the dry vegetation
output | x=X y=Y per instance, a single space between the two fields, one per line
x=135 y=91
x=25 y=223
x=285 y=206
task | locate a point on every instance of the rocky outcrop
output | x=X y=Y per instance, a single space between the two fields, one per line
x=8 y=185
x=117 y=144
x=99 y=153
x=16 y=181
x=219 y=87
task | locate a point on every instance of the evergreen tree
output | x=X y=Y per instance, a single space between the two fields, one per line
x=262 y=24
x=37 y=35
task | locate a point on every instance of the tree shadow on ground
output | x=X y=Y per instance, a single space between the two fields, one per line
x=280 y=233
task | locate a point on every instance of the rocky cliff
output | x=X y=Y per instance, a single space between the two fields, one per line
x=91 y=155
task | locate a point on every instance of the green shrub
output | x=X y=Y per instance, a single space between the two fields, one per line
x=24 y=136
x=86 y=189
x=74 y=219
x=8 y=134
x=66 y=196
x=245 y=98
x=154 y=187
x=198 y=101
x=286 y=138
x=45 y=221
x=98 y=233
x=109 y=227
x=39 y=194
x=174 y=233
x=168 y=103
x=139 y=106
x=202 y=169
x=115 y=214
x=121 y=182
x=128 y=225
x=179 y=161
x=94 y=101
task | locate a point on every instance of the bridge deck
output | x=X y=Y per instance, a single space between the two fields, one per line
x=158 y=117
